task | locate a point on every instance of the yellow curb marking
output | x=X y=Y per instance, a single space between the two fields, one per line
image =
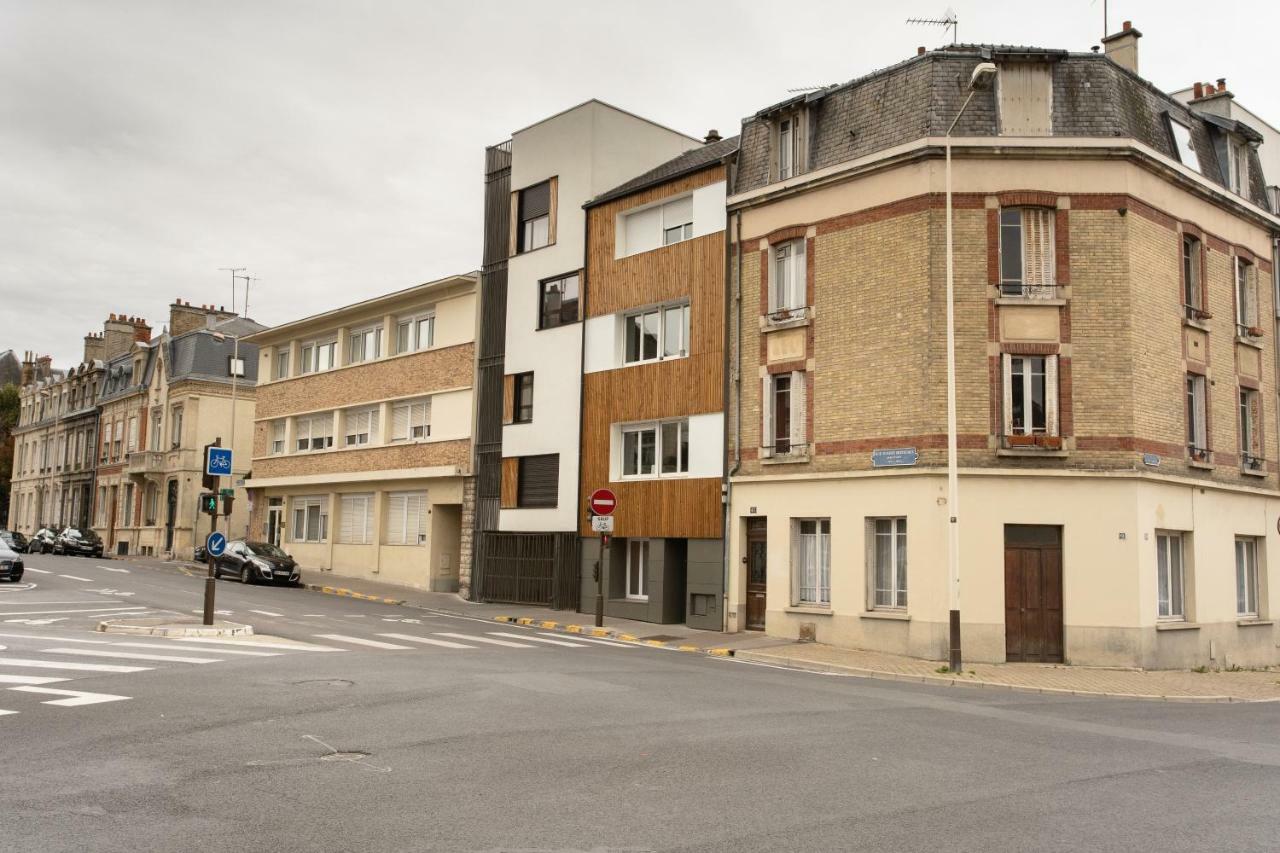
x=573 y=629
x=687 y=648
x=628 y=638
x=549 y=624
x=720 y=653
x=601 y=632
x=657 y=643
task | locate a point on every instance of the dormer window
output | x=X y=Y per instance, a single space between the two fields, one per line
x=1182 y=144
x=789 y=158
x=1238 y=166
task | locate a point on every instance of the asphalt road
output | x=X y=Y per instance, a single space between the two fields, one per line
x=355 y=726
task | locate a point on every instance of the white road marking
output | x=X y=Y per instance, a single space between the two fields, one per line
x=448 y=644
x=360 y=641
x=109 y=591
x=555 y=642
x=169 y=645
x=84 y=667
x=4 y=712
x=92 y=610
x=217 y=612
x=293 y=647
x=354 y=615
x=37 y=621
x=39 y=571
x=74 y=697
x=580 y=639
x=29 y=679
x=266 y=612
x=113 y=569
x=76 y=578
x=472 y=638
x=105 y=653
x=49 y=639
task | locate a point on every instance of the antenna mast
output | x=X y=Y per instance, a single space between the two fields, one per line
x=948 y=21
x=233 y=271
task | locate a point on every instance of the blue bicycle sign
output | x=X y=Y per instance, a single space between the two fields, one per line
x=218 y=462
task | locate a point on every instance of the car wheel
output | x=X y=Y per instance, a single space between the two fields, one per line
x=245 y=575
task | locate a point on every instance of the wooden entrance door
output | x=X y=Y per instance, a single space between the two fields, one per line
x=1033 y=593
x=757 y=572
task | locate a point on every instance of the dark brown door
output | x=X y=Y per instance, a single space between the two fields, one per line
x=757 y=572
x=1033 y=593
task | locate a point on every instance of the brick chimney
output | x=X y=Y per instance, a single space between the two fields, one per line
x=44 y=367
x=185 y=317
x=117 y=336
x=28 y=368
x=1122 y=47
x=141 y=330
x=713 y=135
x=93 y=347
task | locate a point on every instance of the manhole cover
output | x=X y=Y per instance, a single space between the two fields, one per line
x=662 y=637
x=324 y=682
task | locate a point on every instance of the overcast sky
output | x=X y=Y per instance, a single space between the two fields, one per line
x=336 y=148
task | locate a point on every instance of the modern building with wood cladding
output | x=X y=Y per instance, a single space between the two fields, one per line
x=1115 y=367
x=653 y=389
x=530 y=362
x=362 y=445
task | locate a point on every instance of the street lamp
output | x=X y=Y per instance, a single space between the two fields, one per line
x=983 y=76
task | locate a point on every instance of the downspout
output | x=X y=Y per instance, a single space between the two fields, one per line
x=585 y=290
x=732 y=302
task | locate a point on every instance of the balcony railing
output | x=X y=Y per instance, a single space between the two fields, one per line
x=1249 y=462
x=1015 y=290
x=145 y=462
x=787 y=315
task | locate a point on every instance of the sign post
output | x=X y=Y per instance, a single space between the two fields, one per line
x=217 y=463
x=601 y=505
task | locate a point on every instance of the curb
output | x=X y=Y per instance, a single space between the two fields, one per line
x=611 y=634
x=948 y=681
x=226 y=629
x=347 y=593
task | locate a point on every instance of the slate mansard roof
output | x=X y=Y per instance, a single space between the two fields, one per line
x=1091 y=97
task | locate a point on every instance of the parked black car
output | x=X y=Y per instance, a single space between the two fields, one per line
x=257 y=561
x=201 y=555
x=14 y=540
x=10 y=563
x=74 y=542
x=42 y=541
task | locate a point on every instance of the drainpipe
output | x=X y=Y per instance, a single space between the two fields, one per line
x=732 y=299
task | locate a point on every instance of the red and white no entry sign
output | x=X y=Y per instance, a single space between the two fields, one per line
x=603 y=502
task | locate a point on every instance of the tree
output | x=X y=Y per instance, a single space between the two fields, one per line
x=9 y=407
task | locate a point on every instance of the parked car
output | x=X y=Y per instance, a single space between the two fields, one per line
x=14 y=540
x=10 y=563
x=257 y=561
x=201 y=555
x=42 y=541
x=74 y=542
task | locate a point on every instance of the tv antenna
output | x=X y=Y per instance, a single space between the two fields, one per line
x=247 y=280
x=233 y=271
x=948 y=21
x=799 y=89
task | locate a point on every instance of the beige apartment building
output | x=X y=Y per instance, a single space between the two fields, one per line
x=163 y=400
x=362 y=444
x=1115 y=359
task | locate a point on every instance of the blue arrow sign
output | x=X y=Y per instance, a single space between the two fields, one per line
x=218 y=462
x=215 y=544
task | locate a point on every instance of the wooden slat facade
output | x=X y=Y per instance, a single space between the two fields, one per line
x=693 y=269
x=510 y=482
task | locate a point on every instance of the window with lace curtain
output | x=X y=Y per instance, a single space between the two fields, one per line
x=1027 y=252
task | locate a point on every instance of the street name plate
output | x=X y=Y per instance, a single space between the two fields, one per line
x=896 y=457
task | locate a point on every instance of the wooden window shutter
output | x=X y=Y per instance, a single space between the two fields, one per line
x=1251 y=298
x=1255 y=424
x=510 y=482
x=551 y=210
x=799 y=414
x=1201 y=425
x=1006 y=401
x=1037 y=252
x=1051 y=394
x=766 y=417
x=509 y=398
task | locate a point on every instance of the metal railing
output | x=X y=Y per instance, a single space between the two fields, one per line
x=1016 y=290
x=787 y=315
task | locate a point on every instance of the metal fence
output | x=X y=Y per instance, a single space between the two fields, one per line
x=530 y=568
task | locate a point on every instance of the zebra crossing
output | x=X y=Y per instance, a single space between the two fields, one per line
x=43 y=660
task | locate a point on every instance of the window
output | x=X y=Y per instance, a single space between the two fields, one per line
x=1026 y=252
x=175 y=426
x=313 y=433
x=638 y=569
x=812 y=561
x=310 y=519
x=317 y=356
x=1250 y=405
x=126 y=509
x=1197 y=439
x=277 y=437
x=157 y=428
x=558 y=301
x=117 y=439
x=1246 y=576
x=657 y=333
x=362 y=427
x=787 y=289
x=411 y=421
x=364 y=344
x=889 y=562
x=538 y=481
x=415 y=333
x=1031 y=394
x=1238 y=172
x=133 y=434
x=355 y=527
x=406 y=518
x=235 y=367
x=655 y=449
x=282 y=364
x=522 y=406
x=1191 y=293
x=151 y=503
x=677 y=220
x=534 y=208
x=1246 y=298
x=784 y=415
x=1182 y=143
x=1169 y=577
x=790 y=157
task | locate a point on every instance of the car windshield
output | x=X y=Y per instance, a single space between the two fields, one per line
x=71 y=533
x=265 y=549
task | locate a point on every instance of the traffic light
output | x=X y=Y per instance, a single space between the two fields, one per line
x=209 y=482
x=209 y=503
x=227 y=502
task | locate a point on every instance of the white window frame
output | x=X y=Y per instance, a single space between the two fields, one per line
x=1247 y=576
x=1247 y=399
x=1197 y=422
x=677 y=227
x=1192 y=293
x=1046 y=235
x=1171 y=576
x=355 y=526
x=659 y=430
x=789 y=157
x=798 y=411
x=417 y=420
x=279 y=438
x=1238 y=166
x=407 y=518
x=305 y=505
x=281 y=367
x=788 y=283
x=313 y=428
x=889 y=584
x=679 y=348
x=362 y=338
x=1182 y=144
x=638 y=569
x=310 y=358
x=811 y=562
x=175 y=426
x=1246 y=298
x=360 y=427
x=1027 y=379
x=412 y=325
